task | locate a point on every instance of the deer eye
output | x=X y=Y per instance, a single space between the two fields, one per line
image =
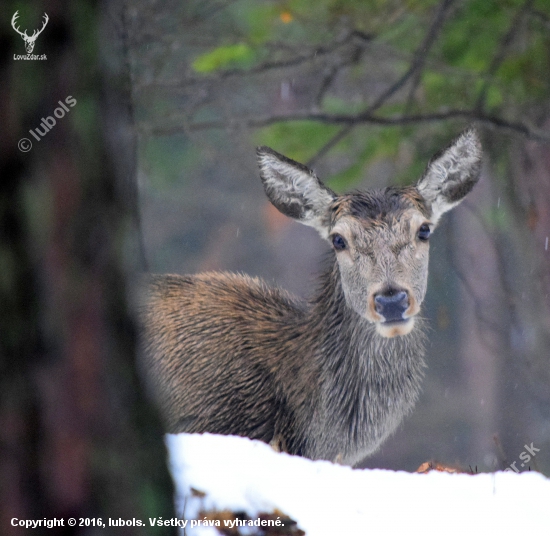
x=424 y=232
x=338 y=242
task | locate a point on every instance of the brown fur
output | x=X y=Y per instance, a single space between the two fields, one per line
x=330 y=378
x=224 y=318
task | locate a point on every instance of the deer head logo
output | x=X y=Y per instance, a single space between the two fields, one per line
x=29 y=39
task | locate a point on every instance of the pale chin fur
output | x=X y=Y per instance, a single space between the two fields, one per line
x=395 y=330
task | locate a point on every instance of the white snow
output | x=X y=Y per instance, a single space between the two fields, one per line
x=331 y=500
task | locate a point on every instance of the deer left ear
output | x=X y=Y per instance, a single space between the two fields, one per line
x=451 y=174
x=295 y=190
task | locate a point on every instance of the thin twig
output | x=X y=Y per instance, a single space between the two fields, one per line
x=422 y=52
x=210 y=11
x=417 y=63
x=352 y=58
x=340 y=135
x=500 y=55
x=541 y=17
x=359 y=38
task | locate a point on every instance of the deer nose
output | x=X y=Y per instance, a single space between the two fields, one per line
x=391 y=304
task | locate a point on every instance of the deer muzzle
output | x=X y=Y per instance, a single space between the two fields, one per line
x=395 y=310
x=392 y=305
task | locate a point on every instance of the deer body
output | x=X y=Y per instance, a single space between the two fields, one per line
x=327 y=379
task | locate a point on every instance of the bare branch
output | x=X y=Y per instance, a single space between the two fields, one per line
x=359 y=38
x=330 y=144
x=327 y=81
x=500 y=55
x=421 y=53
x=516 y=127
x=541 y=17
x=211 y=10
x=417 y=64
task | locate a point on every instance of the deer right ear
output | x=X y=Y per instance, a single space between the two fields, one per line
x=295 y=190
x=451 y=174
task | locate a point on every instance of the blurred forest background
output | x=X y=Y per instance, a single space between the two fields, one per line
x=154 y=169
x=366 y=92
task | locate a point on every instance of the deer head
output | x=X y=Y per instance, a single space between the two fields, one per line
x=380 y=238
x=29 y=40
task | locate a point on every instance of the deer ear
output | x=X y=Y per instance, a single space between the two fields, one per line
x=295 y=190
x=451 y=174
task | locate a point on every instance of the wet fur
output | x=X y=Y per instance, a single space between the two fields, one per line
x=227 y=354
x=237 y=357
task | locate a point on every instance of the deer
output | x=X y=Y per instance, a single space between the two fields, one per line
x=29 y=40
x=326 y=378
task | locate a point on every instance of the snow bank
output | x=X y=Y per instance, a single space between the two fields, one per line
x=327 y=499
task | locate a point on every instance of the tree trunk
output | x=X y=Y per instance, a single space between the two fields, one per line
x=78 y=437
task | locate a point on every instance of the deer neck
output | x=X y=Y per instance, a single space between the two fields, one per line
x=367 y=382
